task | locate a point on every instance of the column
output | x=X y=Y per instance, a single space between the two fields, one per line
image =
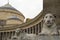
x=24 y=31
x=38 y=28
x=12 y=33
x=6 y=36
x=3 y=36
x=9 y=35
x=29 y=30
x=33 y=30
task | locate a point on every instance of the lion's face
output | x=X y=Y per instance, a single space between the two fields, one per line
x=49 y=20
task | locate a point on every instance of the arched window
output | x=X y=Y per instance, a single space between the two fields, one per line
x=2 y=22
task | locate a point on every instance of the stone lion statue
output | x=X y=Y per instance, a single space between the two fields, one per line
x=49 y=29
x=49 y=25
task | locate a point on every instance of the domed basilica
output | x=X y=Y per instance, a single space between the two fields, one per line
x=12 y=19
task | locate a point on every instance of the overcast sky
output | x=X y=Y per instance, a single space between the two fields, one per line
x=29 y=8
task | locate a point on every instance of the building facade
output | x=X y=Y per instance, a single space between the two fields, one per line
x=11 y=19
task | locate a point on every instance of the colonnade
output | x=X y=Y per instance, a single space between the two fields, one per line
x=5 y=35
x=34 y=29
x=31 y=30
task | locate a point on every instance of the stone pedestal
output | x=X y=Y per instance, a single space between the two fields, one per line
x=48 y=37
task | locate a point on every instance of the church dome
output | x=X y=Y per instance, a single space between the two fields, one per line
x=8 y=6
x=12 y=15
